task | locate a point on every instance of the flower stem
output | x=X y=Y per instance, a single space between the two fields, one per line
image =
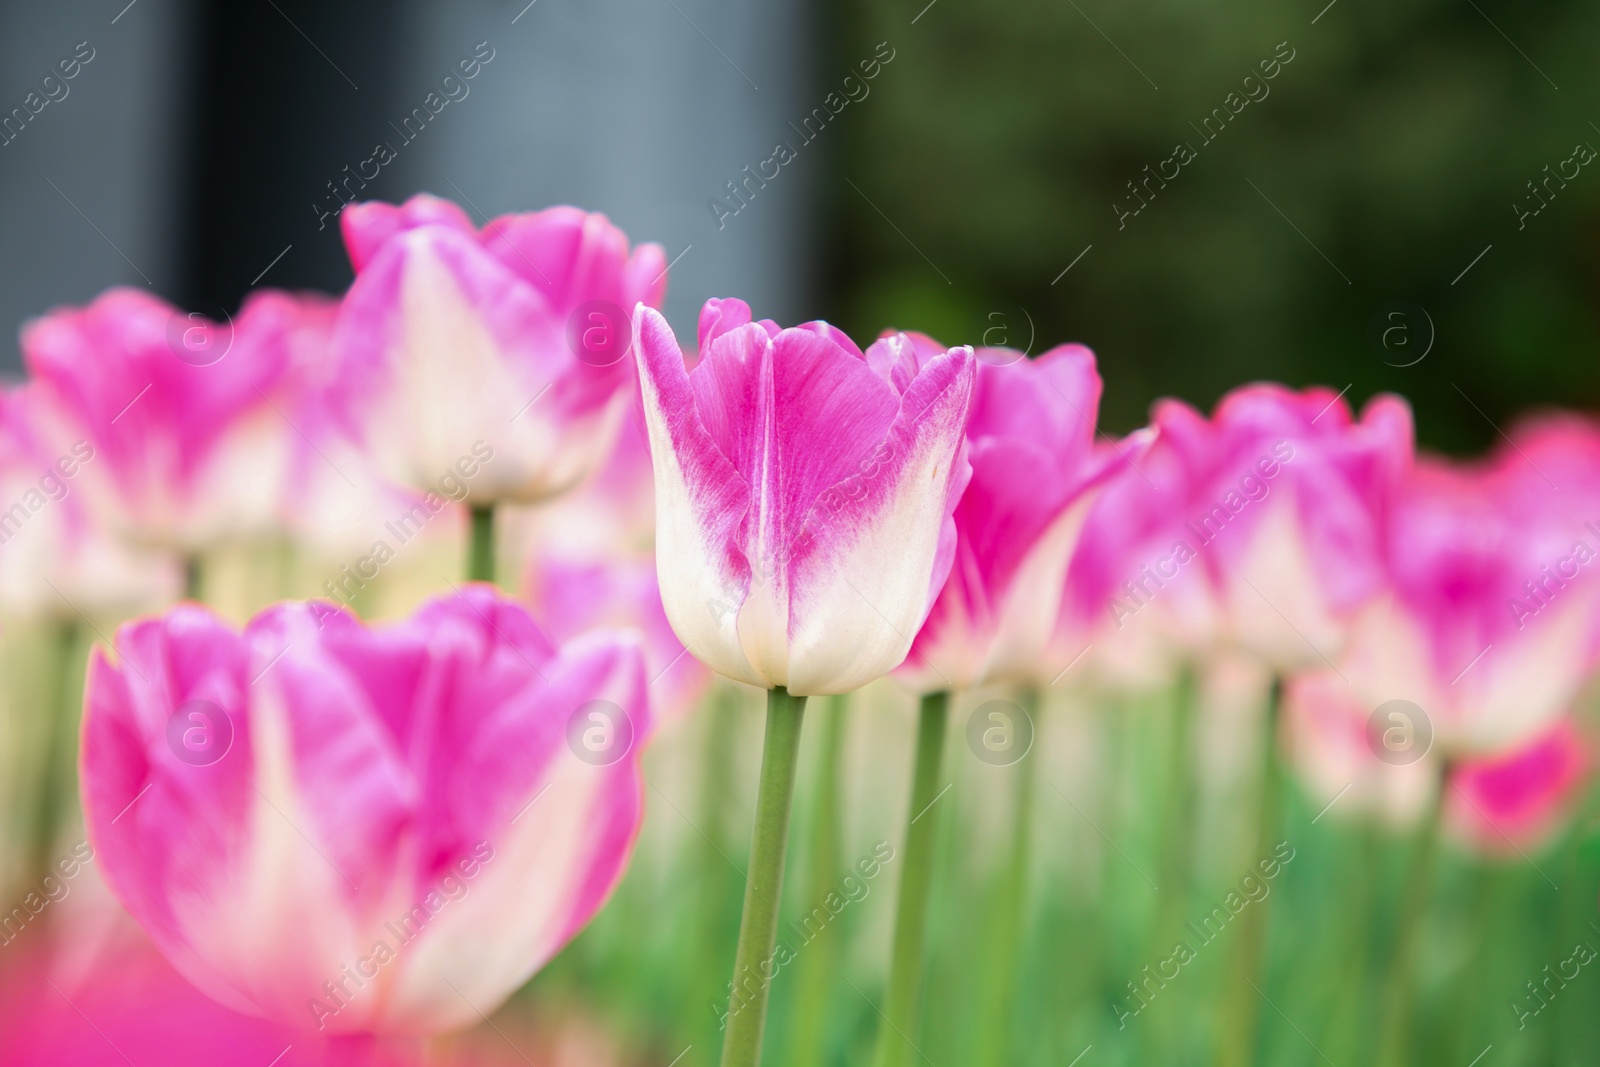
x=1352 y=1011
x=720 y=899
x=916 y=880
x=758 y=930
x=817 y=971
x=1476 y=998
x=192 y=577
x=995 y=1028
x=480 y=549
x=1164 y=1033
x=1395 y=1040
x=1238 y=1033
x=285 y=560
x=1571 y=922
x=61 y=731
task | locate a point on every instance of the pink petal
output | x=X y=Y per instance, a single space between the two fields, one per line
x=1513 y=801
x=877 y=546
x=788 y=469
x=367 y=770
x=367 y=227
x=701 y=501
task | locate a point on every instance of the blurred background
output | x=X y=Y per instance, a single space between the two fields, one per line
x=1414 y=158
x=1372 y=197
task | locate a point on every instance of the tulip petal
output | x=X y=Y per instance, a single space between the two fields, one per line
x=794 y=414
x=877 y=546
x=795 y=485
x=454 y=343
x=359 y=858
x=367 y=227
x=574 y=817
x=700 y=502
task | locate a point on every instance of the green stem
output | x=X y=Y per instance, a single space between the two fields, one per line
x=286 y=561
x=1238 y=1036
x=1562 y=1043
x=1351 y=1027
x=480 y=547
x=995 y=1027
x=191 y=577
x=818 y=971
x=60 y=720
x=916 y=881
x=1177 y=846
x=719 y=894
x=758 y=929
x=1474 y=993
x=1177 y=854
x=1395 y=1036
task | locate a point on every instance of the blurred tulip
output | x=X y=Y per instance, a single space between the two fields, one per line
x=1343 y=761
x=342 y=829
x=572 y=596
x=55 y=560
x=331 y=499
x=1513 y=802
x=189 y=449
x=804 y=494
x=515 y=337
x=126 y=1005
x=1495 y=621
x=1261 y=526
x=1035 y=472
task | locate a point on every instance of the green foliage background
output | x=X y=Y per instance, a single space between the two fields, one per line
x=1397 y=141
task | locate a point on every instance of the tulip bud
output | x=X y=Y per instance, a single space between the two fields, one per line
x=803 y=494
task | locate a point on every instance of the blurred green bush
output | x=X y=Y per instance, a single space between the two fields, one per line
x=991 y=152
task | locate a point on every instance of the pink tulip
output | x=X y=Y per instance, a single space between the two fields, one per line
x=330 y=498
x=55 y=560
x=1495 y=622
x=1339 y=755
x=1036 y=469
x=621 y=592
x=125 y=1004
x=348 y=830
x=1259 y=527
x=515 y=337
x=1515 y=801
x=177 y=408
x=804 y=494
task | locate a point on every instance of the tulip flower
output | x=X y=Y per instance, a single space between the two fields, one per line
x=332 y=499
x=347 y=830
x=1260 y=527
x=177 y=409
x=1508 y=804
x=1351 y=764
x=512 y=339
x=1494 y=624
x=118 y=1002
x=60 y=567
x=1482 y=647
x=1133 y=531
x=804 y=494
x=804 y=500
x=56 y=560
x=1036 y=469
